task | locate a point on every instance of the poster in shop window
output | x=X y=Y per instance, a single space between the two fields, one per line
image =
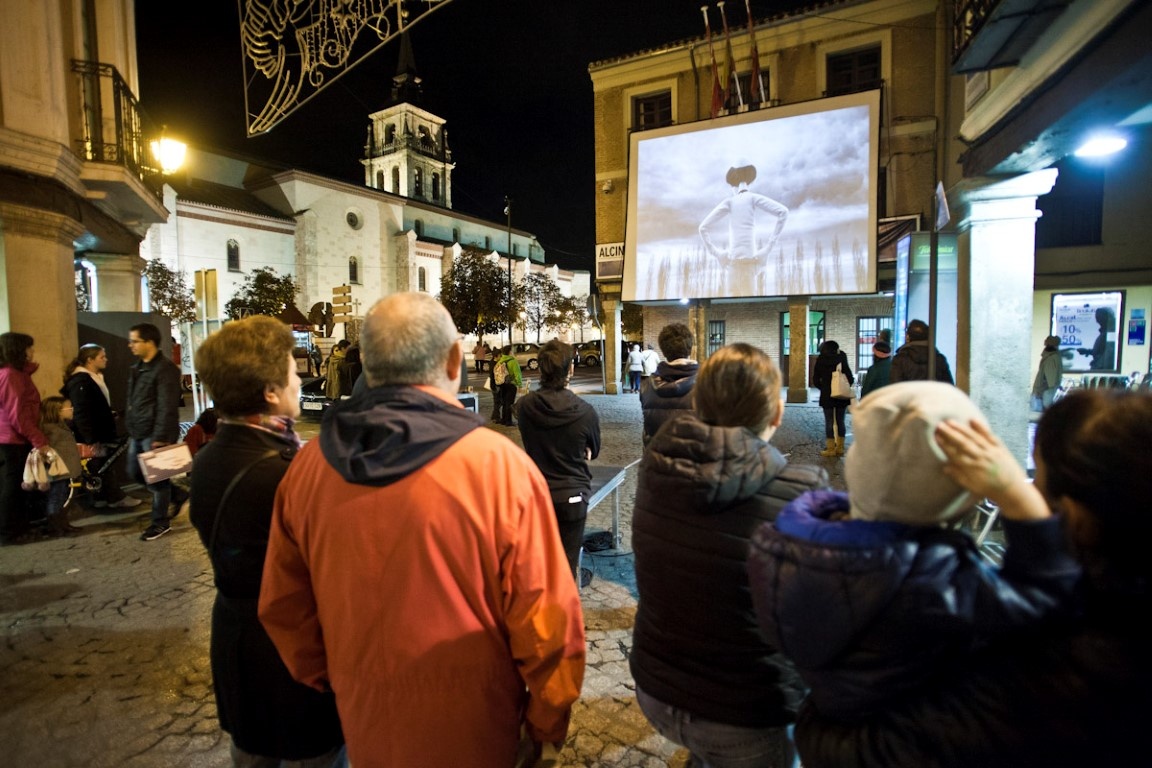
x=1088 y=326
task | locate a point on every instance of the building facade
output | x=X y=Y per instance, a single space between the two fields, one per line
x=986 y=102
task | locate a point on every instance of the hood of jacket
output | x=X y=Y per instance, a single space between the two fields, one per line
x=552 y=408
x=674 y=380
x=840 y=575
x=714 y=466
x=386 y=433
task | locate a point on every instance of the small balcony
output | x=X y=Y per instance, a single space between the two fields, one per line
x=118 y=173
x=989 y=34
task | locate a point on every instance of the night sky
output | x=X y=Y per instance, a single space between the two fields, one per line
x=509 y=76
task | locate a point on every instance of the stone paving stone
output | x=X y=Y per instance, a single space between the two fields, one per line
x=104 y=638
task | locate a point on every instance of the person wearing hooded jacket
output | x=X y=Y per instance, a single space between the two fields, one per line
x=668 y=391
x=704 y=676
x=910 y=362
x=414 y=566
x=1066 y=696
x=1048 y=375
x=869 y=593
x=561 y=433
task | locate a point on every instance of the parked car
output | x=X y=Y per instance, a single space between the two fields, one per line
x=313 y=401
x=590 y=353
x=527 y=355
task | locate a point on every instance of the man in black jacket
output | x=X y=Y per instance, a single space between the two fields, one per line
x=910 y=363
x=669 y=391
x=153 y=419
x=561 y=433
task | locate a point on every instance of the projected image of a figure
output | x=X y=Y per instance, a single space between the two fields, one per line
x=760 y=205
x=734 y=232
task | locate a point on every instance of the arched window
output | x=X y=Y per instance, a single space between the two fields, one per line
x=455 y=234
x=389 y=134
x=435 y=186
x=422 y=279
x=379 y=179
x=353 y=270
x=233 y=256
x=418 y=183
x=396 y=180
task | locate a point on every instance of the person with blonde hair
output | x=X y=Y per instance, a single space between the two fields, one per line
x=709 y=477
x=248 y=369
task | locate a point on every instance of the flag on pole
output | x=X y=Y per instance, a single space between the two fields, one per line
x=717 y=91
x=731 y=80
x=756 y=93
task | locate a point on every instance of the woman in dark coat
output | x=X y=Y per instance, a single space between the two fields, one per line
x=834 y=407
x=705 y=678
x=248 y=369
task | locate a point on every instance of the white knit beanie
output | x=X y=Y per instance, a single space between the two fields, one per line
x=894 y=466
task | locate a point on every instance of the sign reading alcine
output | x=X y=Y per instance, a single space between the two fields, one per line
x=609 y=260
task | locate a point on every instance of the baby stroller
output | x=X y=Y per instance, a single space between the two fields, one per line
x=94 y=464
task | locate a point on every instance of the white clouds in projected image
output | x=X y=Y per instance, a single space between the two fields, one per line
x=817 y=165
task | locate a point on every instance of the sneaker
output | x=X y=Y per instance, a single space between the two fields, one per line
x=154 y=532
x=125 y=503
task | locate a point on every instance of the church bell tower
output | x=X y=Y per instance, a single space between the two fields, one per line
x=407 y=149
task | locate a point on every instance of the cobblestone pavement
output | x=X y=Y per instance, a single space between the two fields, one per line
x=104 y=650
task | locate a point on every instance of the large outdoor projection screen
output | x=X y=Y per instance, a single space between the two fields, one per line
x=771 y=202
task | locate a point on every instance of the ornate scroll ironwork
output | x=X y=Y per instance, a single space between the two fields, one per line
x=293 y=49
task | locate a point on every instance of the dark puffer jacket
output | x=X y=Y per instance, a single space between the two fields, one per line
x=701 y=492
x=910 y=363
x=665 y=394
x=869 y=611
x=822 y=373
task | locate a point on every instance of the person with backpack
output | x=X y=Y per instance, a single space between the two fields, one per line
x=507 y=380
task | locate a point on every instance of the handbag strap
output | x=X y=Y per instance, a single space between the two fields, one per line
x=228 y=492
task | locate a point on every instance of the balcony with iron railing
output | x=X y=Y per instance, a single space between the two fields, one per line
x=118 y=171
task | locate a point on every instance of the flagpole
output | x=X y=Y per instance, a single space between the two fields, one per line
x=731 y=80
x=757 y=96
x=716 y=103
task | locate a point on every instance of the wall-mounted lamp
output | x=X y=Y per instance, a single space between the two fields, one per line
x=168 y=154
x=607 y=187
x=1101 y=145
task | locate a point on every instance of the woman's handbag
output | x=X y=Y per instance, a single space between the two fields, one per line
x=841 y=389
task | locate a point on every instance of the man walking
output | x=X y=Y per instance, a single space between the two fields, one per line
x=910 y=363
x=668 y=391
x=414 y=565
x=153 y=419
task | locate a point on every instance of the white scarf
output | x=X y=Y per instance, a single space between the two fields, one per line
x=98 y=378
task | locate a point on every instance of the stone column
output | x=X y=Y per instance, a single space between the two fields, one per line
x=610 y=305
x=37 y=285
x=798 y=349
x=117 y=281
x=997 y=254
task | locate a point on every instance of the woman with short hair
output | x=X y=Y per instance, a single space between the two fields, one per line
x=709 y=477
x=248 y=369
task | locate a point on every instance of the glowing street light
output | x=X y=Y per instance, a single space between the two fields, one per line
x=1101 y=145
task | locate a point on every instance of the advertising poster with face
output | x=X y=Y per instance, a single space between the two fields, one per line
x=1087 y=324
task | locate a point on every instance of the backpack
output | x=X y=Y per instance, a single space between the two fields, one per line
x=500 y=374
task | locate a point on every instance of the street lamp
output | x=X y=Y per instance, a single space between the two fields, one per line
x=508 y=213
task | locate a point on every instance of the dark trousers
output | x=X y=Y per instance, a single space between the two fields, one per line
x=109 y=491
x=505 y=398
x=835 y=412
x=571 y=517
x=14 y=501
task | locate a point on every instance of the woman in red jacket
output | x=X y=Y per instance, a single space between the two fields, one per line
x=19 y=431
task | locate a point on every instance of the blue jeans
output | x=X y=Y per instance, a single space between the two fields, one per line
x=161 y=491
x=719 y=745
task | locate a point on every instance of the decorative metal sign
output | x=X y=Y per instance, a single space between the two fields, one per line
x=293 y=49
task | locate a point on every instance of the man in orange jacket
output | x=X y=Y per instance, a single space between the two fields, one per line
x=415 y=568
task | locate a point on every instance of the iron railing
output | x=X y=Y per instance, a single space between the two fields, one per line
x=113 y=124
